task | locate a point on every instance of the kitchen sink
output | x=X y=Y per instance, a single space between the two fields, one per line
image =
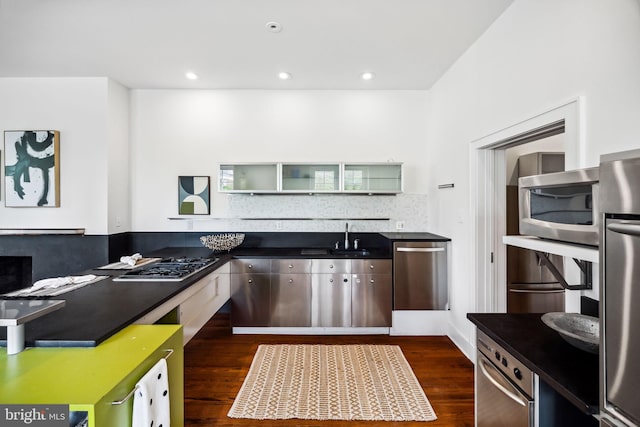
x=314 y=251
x=351 y=252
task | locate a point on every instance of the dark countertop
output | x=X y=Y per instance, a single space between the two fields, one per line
x=297 y=253
x=416 y=237
x=571 y=372
x=95 y=312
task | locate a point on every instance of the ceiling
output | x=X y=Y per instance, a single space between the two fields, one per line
x=324 y=44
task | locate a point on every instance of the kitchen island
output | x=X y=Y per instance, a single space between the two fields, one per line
x=97 y=311
x=94 y=384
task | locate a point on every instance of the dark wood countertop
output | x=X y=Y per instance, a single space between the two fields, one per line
x=571 y=372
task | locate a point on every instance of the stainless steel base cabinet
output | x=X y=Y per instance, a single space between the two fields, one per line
x=331 y=301
x=371 y=300
x=371 y=293
x=290 y=300
x=250 y=292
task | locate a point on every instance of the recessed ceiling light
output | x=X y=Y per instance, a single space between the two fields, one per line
x=367 y=75
x=273 y=26
x=191 y=75
x=283 y=75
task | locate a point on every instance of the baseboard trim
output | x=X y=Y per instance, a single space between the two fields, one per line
x=468 y=349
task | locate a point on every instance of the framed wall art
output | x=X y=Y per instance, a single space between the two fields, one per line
x=32 y=168
x=193 y=195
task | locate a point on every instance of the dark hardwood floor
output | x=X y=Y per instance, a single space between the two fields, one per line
x=216 y=363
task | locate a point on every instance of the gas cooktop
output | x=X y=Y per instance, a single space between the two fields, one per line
x=167 y=270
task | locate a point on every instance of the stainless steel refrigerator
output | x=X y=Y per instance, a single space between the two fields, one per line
x=620 y=289
x=531 y=288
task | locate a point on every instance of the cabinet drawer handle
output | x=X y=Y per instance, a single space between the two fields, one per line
x=331 y=266
x=290 y=266
x=372 y=281
x=169 y=352
x=330 y=280
x=250 y=280
x=371 y=266
x=290 y=280
x=250 y=266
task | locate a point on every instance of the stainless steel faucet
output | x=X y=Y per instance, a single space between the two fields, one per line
x=346 y=236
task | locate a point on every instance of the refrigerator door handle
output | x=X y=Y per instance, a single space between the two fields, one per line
x=532 y=291
x=405 y=249
x=625 y=228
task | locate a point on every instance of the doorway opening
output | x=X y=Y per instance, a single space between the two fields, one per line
x=488 y=160
x=530 y=286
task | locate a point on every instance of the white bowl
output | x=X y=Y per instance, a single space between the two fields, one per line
x=578 y=330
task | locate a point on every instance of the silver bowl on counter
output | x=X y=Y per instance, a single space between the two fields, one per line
x=578 y=330
x=222 y=242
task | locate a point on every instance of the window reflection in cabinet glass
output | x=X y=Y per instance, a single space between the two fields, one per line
x=377 y=178
x=249 y=177
x=310 y=177
x=352 y=179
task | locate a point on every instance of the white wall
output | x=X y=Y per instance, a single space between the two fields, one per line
x=538 y=55
x=77 y=107
x=181 y=132
x=118 y=200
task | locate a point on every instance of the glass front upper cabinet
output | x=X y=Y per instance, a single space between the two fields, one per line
x=248 y=178
x=350 y=178
x=311 y=178
x=372 y=178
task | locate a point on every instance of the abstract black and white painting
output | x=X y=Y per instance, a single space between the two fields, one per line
x=32 y=168
x=193 y=195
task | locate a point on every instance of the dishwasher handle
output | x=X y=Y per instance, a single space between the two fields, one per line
x=512 y=395
x=407 y=249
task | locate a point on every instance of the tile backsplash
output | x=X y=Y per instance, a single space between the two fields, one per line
x=316 y=213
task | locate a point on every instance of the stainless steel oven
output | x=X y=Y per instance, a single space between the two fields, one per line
x=561 y=206
x=620 y=289
x=504 y=387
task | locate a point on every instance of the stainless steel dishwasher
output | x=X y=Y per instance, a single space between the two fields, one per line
x=420 y=276
x=504 y=387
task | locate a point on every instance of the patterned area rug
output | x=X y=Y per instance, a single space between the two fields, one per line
x=331 y=382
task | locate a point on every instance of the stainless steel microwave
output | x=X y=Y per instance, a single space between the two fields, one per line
x=561 y=206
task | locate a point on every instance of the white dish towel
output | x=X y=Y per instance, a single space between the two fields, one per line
x=151 y=399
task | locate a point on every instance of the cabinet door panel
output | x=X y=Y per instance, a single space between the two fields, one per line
x=317 y=178
x=330 y=266
x=250 y=298
x=290 y=300
x=371 y=300
x=331 y=300
x=196 y=311
x=371 y=266
x=248 y=178
x=251 y=266
x=291 y=266
x=374 y=178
